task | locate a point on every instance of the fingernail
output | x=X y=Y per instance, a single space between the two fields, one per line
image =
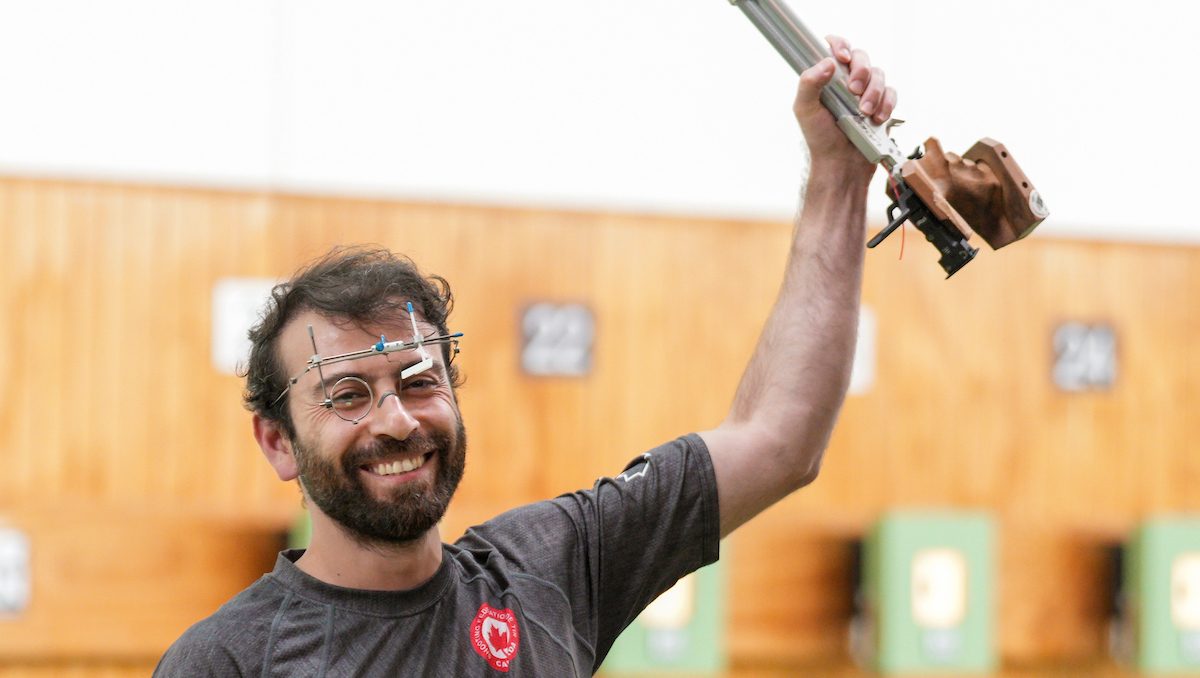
x=856 y=86
x=844 y=53
x=867 y=107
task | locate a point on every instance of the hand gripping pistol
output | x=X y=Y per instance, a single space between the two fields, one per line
x=946 y=196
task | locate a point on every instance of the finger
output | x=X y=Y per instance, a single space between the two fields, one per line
x=808 y=96
x=886 y=106
x=839 y=47
x=872 y=95
x=860 y=71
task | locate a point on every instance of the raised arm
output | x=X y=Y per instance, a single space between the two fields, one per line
x=773 y=439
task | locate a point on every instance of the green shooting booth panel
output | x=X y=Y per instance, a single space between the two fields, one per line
x=1162 y=595
x=300 y=533
x=682 y=631
x=928 y=594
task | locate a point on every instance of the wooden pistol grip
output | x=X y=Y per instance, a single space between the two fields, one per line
x=1020 y=207
x=928 y=187
x=984 y=191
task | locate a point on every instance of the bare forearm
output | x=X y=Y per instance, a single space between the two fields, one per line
x=787 y=402
x=796 y=380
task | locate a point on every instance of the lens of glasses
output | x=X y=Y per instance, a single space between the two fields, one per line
x=351 y=398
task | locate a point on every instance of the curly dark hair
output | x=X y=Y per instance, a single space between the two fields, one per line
x=363 y=285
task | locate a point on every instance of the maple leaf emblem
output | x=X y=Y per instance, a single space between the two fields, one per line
x=498 y=638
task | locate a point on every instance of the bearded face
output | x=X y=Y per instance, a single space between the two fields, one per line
x=406 y=511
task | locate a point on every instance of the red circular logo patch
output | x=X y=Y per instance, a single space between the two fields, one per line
x=495 y=636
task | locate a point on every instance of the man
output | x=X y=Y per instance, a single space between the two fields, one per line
x=353 y=393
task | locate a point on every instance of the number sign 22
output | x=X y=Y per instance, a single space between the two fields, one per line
x=558 y=340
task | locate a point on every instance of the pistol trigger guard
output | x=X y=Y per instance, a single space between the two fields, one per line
x=894 y=222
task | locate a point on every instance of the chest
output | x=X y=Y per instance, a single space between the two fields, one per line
x=526 y=629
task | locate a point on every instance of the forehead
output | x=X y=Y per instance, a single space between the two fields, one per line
x=338 y=335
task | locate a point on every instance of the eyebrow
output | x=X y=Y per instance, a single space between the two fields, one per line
x=332 y=378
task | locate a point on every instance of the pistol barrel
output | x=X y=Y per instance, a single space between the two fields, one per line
x=801 y=49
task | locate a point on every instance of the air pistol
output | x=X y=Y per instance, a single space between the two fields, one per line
x=946 y=196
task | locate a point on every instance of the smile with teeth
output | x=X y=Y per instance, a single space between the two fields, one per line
x=402 y=466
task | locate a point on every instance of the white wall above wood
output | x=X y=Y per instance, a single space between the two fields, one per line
x=665 y=106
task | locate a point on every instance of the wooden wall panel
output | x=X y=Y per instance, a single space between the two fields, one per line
x=105 y=292
x=122 y=583
x=76 y=669
x=106 y=299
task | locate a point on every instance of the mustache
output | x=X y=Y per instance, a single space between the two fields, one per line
x=415 y=443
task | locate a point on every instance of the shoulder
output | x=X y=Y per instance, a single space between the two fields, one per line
x=541 y=534
x=227 y=642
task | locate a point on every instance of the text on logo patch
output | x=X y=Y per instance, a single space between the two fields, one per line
x=495 y=636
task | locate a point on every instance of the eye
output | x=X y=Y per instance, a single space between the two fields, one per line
x=348 y=398
x=422 y=382
x=350 y=394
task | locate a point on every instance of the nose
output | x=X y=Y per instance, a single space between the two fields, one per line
x=391 y=418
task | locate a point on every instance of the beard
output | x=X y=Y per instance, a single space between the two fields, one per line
x=408 y=511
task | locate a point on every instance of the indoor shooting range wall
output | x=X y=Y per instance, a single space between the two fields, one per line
x=130 y=468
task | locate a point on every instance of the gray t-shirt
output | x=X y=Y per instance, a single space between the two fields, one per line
x=542 y=590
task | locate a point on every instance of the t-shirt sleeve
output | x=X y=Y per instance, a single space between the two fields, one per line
x=199 y=654
x=614 y=548
x=231 y=642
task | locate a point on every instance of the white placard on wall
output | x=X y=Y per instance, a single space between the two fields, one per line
x=862 y=375
x=236 y=305
x=14 y=571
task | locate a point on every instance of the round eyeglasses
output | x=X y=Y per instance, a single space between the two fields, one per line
x=351 y=399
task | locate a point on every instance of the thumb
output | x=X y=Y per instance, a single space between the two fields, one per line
x=808 y=96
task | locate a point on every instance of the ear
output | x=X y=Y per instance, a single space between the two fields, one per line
x=276 y=447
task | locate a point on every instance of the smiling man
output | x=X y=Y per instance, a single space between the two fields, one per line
x=352 y=384
x=379 y=453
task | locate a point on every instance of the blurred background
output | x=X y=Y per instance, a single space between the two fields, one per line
x=609 y=189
